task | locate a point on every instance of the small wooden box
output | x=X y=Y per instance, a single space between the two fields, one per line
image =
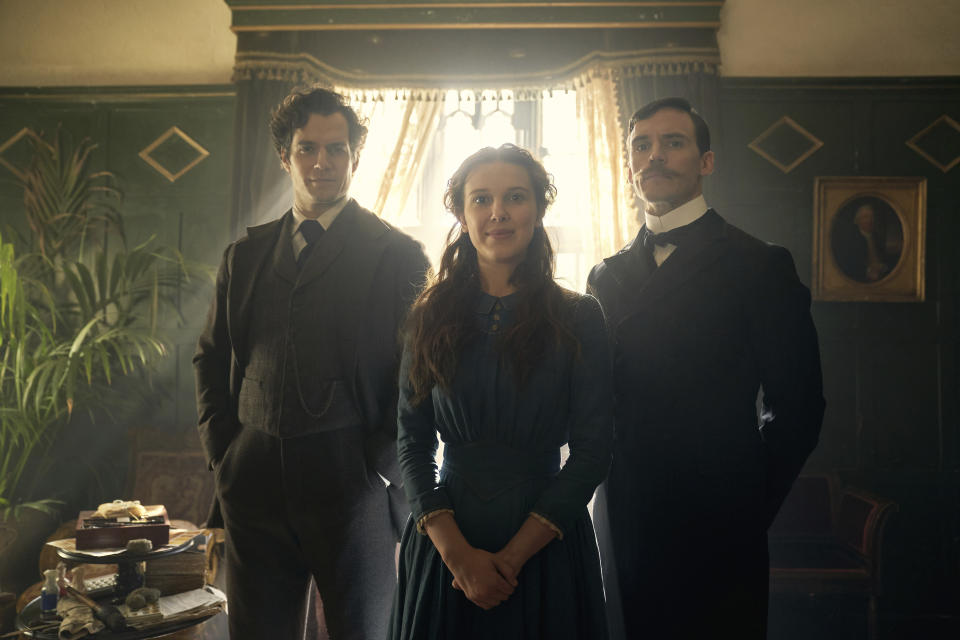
x=118 y=536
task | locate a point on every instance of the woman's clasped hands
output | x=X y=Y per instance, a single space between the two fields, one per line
x=485 y=578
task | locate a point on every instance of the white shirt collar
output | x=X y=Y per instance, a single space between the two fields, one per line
x=682 y=215
x=325 y=219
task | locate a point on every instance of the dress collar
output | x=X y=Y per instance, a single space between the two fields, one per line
x=487 y=302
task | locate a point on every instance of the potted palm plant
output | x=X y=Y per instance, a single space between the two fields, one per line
x=78 y=308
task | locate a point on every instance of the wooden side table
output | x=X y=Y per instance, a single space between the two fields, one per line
x=182 y=630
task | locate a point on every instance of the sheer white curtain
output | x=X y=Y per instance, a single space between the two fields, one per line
x=613 y=211
x=403 y=124
x=580 y=141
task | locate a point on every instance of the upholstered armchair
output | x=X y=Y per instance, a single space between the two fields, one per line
x=828 y=539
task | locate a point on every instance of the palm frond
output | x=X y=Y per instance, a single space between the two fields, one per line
x=77 y=309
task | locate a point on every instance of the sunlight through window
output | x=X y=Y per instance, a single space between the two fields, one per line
x=469 y=121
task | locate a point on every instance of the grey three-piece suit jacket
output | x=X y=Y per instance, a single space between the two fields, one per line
x=327 y=348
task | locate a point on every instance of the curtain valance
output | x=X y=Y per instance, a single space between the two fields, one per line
x=305 y=68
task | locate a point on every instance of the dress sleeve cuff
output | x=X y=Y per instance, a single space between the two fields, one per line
x=427 y=516
x=547 y=523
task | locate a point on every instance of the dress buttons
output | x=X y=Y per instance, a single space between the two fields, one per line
x=495 y=325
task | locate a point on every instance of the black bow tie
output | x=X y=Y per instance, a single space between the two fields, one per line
x=675 y=237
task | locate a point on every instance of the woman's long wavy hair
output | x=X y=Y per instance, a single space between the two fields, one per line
x=441 y=322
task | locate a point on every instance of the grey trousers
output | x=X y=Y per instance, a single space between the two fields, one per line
x=304 y=507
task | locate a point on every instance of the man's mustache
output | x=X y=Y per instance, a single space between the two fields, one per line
x=657 y=172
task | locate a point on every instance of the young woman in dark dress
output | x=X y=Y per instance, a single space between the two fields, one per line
x=507 y=367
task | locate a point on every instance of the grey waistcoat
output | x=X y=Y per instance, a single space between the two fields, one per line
x=300 y=361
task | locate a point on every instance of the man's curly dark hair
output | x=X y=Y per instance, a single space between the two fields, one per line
x=300 y=104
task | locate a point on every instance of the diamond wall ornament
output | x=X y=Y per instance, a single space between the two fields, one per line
x=16 y=152
x=173 y=154
x=939 y=143
x=785 y=144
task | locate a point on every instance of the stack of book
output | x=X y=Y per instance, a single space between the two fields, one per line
x=189 y=605
x=176 y=573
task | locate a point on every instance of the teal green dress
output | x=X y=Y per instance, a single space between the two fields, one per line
x=502 y=463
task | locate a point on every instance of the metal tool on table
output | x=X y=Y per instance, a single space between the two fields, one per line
x=108 y=614
x=45 y=626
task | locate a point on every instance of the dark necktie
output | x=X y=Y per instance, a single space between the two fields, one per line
x=311 y=230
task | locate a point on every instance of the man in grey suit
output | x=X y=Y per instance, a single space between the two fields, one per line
x=703 y=317
x=296 y=390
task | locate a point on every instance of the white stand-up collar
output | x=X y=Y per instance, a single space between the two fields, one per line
x=681 y=216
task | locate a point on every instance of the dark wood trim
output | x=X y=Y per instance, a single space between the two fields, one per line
x=118 y=93
x=345 y=16
x=913 y=83
x=471 y=26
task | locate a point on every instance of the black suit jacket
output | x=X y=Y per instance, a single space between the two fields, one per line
x=694 y=341
x=393 y=270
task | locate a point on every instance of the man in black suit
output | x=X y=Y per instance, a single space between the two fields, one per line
x=296 y=389
x=704 y=318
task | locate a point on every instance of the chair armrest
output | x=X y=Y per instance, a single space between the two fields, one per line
x=861 y=523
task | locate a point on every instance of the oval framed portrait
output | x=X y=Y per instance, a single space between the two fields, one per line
x=866 y=238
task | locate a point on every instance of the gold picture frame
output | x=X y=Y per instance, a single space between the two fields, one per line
x=869 y=239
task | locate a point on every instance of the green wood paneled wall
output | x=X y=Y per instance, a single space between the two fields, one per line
x=890 y=369
x=189 y=213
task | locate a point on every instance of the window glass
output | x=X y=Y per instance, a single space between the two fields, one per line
x=472 y=120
